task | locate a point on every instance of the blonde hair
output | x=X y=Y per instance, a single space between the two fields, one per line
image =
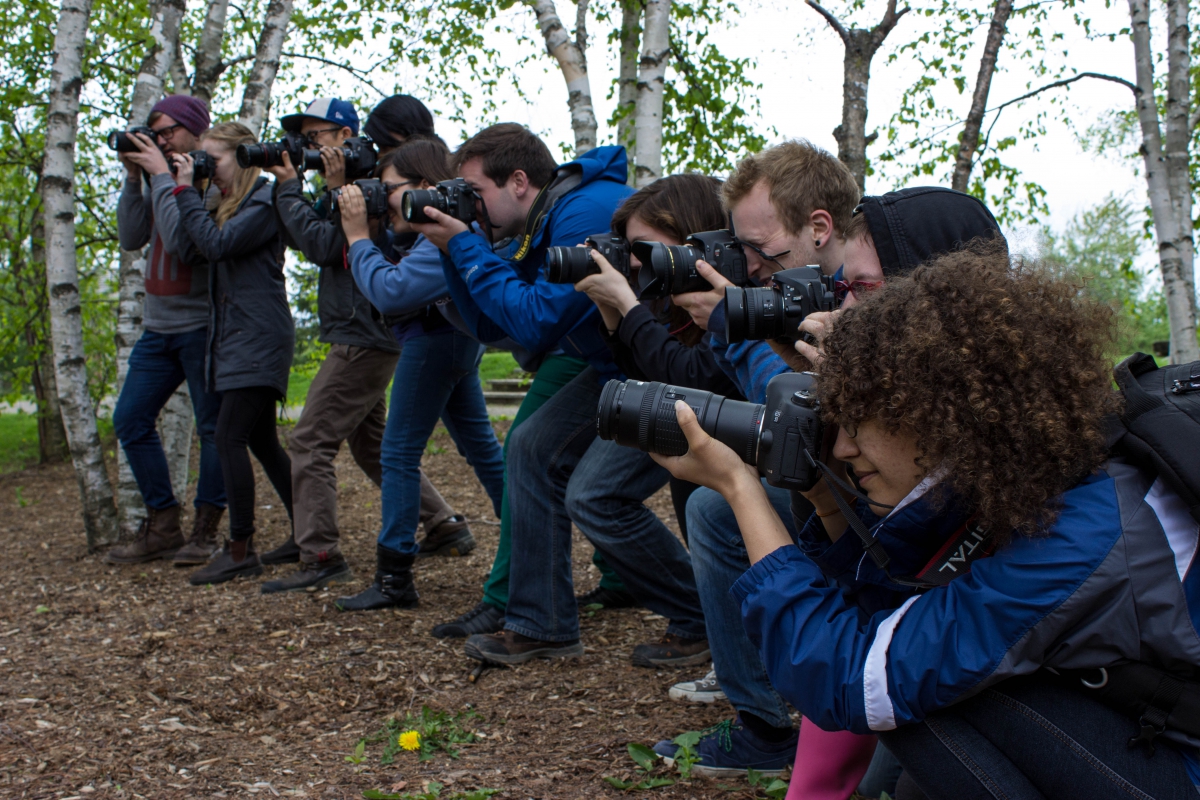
x=231 y=134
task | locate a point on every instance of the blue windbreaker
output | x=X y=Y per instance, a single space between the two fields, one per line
x=1116 y=577
x=409 y=285
x=500 y=297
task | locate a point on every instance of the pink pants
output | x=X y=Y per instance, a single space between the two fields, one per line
x=829 y=765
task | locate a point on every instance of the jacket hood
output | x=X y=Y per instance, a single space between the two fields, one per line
x=911 y=226
x=607 y=163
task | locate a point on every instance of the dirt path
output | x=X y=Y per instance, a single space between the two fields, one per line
x=127 y=682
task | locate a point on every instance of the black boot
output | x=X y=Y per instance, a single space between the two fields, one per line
x=393 y=586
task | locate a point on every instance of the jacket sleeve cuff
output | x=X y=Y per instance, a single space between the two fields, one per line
x=782 y=559
x=178 y=190
x=458 y=246
x=716 y=323
x=360 y=249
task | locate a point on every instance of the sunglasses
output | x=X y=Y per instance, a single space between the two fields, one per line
x=842 y=288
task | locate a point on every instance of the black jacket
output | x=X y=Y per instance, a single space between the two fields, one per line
x=250 y=332
x=645 y=351
x=346 y=316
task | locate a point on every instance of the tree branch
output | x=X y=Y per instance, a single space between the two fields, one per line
x=890 y=18
x=834 y=22
x=340 y=65
x=1097 y=75
x=581 y=36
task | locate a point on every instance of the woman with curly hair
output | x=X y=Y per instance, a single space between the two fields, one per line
x=969 y=400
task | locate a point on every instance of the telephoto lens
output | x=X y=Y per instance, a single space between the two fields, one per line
x=454 y=197
x=671 y=269
x=573 y=264
x=775 y=312
x=203 y=166
x=267 y=154
x=120 y=141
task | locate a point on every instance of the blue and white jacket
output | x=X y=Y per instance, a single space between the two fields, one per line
x=1116 y=577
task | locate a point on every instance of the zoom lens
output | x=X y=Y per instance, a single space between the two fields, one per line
x=251 y=155
x=642 y=415
x=414 y=202
x=754 y=313
x=569 y=264
x=312 y=161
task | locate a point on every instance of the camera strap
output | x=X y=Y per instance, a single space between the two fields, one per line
x=837 y=486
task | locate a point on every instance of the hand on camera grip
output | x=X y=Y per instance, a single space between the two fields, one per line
x=707 y=462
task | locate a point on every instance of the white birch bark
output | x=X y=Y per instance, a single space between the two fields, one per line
x=1177 y=141
x=256 y=97
x=174 y=428
x=652 y=74
x=1172 y=231
x=62 y=275
x=627 y=77
x=572 y=61
x=209 y=64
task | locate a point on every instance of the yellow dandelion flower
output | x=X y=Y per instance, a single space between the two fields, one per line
x=410 y=740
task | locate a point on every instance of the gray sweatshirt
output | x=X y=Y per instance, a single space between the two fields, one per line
x=176 y=292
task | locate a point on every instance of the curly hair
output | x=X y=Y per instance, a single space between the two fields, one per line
x=999 y=369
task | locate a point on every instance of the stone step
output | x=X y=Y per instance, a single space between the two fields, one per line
x=504 y=397
x=509 y=385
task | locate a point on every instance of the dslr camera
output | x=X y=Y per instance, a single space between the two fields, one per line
x=203 y=166
x=775 y=312
x=373 y=193
x=671 y=269
x=783 y=438
x=573 y=264
x=120 y=141
x=270 y=154
x=454 y=197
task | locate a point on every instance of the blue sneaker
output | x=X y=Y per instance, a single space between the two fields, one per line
x=729 y=748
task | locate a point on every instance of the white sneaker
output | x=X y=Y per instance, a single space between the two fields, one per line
x=705 y=690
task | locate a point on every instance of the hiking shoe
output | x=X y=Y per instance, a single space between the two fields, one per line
x=672 y=651
x=608 y=598
x=316 y=575
x=510 y=648
x=705 y=690
x=730 y=748
x=158 y=536
x=451 y=538
x=393 y=586
x=223 y=568
x=286 y=553
x=203 y=542
x=483 y=618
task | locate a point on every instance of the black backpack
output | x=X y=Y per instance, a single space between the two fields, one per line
x=1160 y=427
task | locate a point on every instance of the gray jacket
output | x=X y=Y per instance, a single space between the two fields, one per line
x=346 y=316
x=176 y=288
x=250 y=334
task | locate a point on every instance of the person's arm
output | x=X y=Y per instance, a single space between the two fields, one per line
x=417 y=281
x=134 y=220
x=248 y=230
x=751 y=364
x=662 y=357
x=320 y=239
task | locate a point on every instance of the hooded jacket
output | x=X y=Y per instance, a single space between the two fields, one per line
x=504 y=299
x=1115 y=577
x=346 y=316
x=250 y=331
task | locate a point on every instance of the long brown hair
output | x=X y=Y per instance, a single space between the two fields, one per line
x=231 y=134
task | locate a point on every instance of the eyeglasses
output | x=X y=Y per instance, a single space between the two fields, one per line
x=311 y=136
x=168 y=132
x=842 y=288
x=388 y=188
x=765 y=256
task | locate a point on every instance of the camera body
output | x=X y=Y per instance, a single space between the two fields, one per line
x=270 y=154
x=775 y=312
x=360 y=155
x=120 y=141
x=573 y=264
x=454 y=197
x=373 y=193
x=204 y=167
x=671 y=269
x=782 y=437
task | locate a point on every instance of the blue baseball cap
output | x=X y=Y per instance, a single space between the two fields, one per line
x=330 y=109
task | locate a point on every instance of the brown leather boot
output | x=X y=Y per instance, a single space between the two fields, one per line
x=203 y=542
x=159 y=536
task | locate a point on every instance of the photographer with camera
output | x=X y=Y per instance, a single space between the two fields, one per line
x=345 y=402
x=511 y=182
x=437 y=376
x=249 y=352
x=1021 y=620
x=173 y=343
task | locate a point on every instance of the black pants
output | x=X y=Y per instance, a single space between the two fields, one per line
x=246 y=425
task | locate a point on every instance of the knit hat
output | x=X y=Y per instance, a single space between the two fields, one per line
x=911 y=226
x=187 y=111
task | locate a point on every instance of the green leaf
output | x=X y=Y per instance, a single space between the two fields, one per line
x=643 y=756
x=42 y=610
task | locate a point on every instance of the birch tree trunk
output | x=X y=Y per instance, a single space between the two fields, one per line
x=572 y=61
x=256 y=97
x=1171 y=229
x=62 y=276
x=861 y=45
x=166 y=16
x=209 y=64
x=627 y=78
x=968 y=144
x=1179 y=134
x=652 y=74
x=52 y=438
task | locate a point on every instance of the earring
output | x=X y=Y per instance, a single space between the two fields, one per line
x=818 y=244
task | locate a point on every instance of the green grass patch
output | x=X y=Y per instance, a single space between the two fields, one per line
x=298 y=382
x=498 y=365
x=18 y=441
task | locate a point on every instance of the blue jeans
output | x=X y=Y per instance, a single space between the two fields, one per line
x=719 y=558
x=559 y=471
x=1031 y=739
x=437 y=376
x=158 y=363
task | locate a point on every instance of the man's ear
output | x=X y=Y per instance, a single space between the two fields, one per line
x=345 y=133
x=520 y=183
x=821 y=222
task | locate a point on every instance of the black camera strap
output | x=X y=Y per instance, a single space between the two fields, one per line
x=837 y=486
